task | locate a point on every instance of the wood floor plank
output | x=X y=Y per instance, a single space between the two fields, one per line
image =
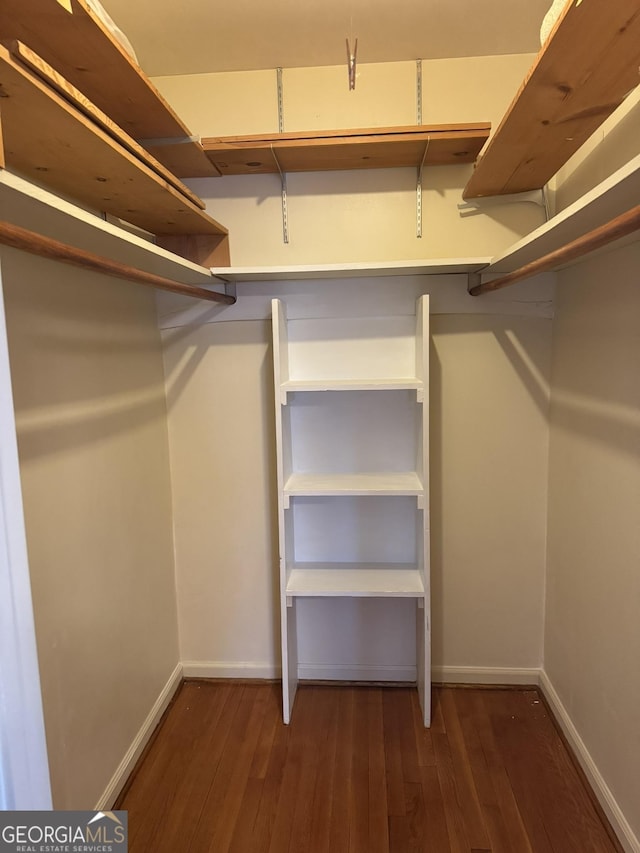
x=415 y=816
x=285 y=809
x=242 y=839
x=353 y=773
x=436 y=834
x=474 y=823
x=359 y=801
x=522 y=765
x=506 y=802
x=230 y=775
x=423 y=738
x=321 y=806
x=458 y=840
x=272 y=718
x=314 y=731
x=438 y=725
x=239 y=759
x=405 y=698
x=393 y=755
x=483 y=781
x=274 y=775
x=378 y=811
x=341 y=783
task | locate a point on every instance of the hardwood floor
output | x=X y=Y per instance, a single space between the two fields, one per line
x=356 y=772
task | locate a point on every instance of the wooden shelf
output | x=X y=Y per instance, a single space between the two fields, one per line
x=400 y=384
x=403 y=483
x=613 y=196
x=370 y=580
x=582 y=74
x=81 y=48
x=52 y=142
x=371 y=148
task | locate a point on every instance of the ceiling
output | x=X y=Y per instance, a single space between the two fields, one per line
x=202 y=35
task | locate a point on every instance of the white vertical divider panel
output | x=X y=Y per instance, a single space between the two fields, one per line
x=423 y=614
x=283 y=453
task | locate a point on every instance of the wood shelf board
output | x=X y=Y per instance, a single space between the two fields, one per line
x=86 y=54
x=367 y=580
x=370 y=148
x=76 y=98
x=613 y=196
x=401 y=483
x=52 y=142
x=399 y=384
x=581 y=75
x=186 y=159
x=374 y=269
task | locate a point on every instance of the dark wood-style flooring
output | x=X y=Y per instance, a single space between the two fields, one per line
x=356 y=772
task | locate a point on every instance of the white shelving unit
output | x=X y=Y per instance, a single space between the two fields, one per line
x=352 y=417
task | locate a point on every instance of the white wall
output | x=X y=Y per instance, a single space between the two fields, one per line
x=363 y=215
x=222 y=444
x=91 y=420
x=592 y=634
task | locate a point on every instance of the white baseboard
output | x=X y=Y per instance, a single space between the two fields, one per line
x=358 y=672
x=354 y=672
x=223 y=669
x=134 y=752
x=486 y=675
x=620 y=825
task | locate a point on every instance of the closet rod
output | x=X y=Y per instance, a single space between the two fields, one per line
x=37 y=244
x=622 y=225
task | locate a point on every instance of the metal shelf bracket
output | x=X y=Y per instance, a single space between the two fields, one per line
x=283 y=177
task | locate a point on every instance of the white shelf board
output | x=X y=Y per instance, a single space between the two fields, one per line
x=30 y=206
x=613 y=196
x=402 y=483
x=354 y=580
x=299 y=272
x=400 y=384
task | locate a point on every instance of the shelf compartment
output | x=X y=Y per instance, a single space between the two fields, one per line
x=330 y=150
x=363 y=349
x=355 y=529
x=383 y=484
x=362 y=580
x=336 y=433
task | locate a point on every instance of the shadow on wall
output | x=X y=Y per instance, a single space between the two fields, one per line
x=220 y=387
x=605 y=421
x=85 y=356
x=489 y=397
x=69 y=428
x=443 y=182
